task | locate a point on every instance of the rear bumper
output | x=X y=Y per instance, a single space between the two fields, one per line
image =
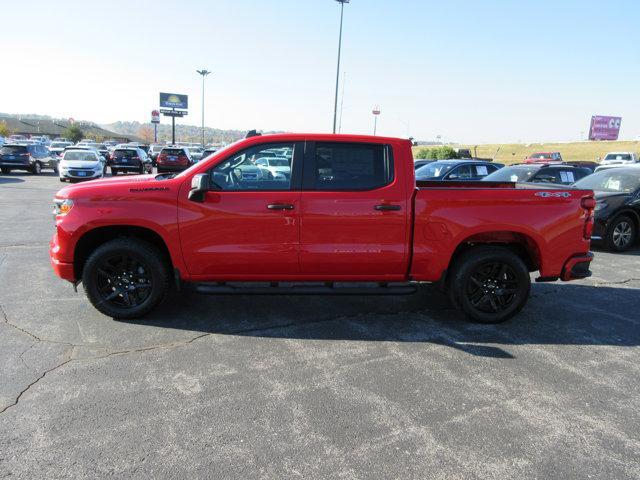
x=16 y=165
x=577 y=267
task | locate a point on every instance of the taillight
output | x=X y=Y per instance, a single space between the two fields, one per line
x=184 y=159
x=135 y=158
x=589 y=205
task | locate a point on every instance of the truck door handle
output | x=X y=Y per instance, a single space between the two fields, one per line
x=387 y=207
x=280 y=206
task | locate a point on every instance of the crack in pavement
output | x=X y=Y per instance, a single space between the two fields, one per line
x=166 y=346
x=24 y=245
x=628 y=280
x=28 y=387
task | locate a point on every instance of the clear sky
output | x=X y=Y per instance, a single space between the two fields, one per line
x=469 y=70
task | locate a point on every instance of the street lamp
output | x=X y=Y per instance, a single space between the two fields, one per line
x=204 y=72
x=335 y=103
x=376 y=112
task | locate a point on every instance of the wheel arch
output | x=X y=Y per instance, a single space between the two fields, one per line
x=521 y=244
x=630 y=212
x=92 y=239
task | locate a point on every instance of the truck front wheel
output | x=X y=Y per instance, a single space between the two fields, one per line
x=125 y=278
x=489 y=284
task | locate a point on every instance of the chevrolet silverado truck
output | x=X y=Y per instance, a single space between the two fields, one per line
x=349 y=219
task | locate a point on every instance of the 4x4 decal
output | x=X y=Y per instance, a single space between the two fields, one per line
x=553 y=194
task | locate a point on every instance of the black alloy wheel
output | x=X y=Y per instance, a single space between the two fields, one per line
x=492 y=287
x=123 y=281
x=125 y=278
x=489 y=284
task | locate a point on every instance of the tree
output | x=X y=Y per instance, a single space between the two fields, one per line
x=73 y=133
x=4 y=130
x=145 y=132
x=423 y=153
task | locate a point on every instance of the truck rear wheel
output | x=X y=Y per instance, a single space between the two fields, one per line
x=489 y=284
x=125 y=278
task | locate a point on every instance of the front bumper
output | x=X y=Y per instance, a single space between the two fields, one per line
x=577 y=267
x=78 y=174
x=63 y=270
x=126 y=166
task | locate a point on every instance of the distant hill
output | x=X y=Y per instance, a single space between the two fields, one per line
x=184 y=133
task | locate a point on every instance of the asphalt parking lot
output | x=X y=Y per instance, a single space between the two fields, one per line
x=310 y=387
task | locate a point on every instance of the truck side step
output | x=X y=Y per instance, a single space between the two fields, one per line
x=303 y=288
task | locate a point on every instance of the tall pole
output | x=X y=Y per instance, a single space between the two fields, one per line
x=335 y=102
x=376 y=112
x=344 y=81
x=173 y=129
x=204 y=72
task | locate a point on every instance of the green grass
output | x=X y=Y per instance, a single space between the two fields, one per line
x=515 y=153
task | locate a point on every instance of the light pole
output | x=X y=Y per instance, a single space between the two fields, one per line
x=204 y=72
x=335 y=103
x=376 y=112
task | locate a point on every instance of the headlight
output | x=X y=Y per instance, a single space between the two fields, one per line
x=62 y=206
x=600 y=206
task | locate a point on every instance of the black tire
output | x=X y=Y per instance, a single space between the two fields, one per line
x=61 y=179
x=114 y=172
x=5 y=171
x=36 y=169
x=125 y=278
x=489 y=284
x=621 y=234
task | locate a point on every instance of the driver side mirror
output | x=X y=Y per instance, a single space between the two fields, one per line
x=200 y=185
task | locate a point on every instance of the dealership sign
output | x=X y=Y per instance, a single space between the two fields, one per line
x=155 y=116
x=604 y=128
x=174 y=100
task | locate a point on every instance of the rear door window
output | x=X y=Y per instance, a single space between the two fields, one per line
x=349 y=166
x=463 y=172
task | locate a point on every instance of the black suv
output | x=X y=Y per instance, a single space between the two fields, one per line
x=30 y=157
x=557 y=174
x=130 y=159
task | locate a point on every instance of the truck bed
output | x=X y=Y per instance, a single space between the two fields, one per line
x=548 y=222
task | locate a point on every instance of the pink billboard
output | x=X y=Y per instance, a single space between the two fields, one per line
x=604 y=128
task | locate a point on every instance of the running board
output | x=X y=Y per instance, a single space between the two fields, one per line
x=288 y=288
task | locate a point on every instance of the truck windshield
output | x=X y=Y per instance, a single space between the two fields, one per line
x=614 y=180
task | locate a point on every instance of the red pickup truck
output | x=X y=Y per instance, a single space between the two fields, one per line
x=342 y=214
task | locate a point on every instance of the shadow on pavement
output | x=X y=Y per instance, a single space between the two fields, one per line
x=4 y=178
x=557 y=314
